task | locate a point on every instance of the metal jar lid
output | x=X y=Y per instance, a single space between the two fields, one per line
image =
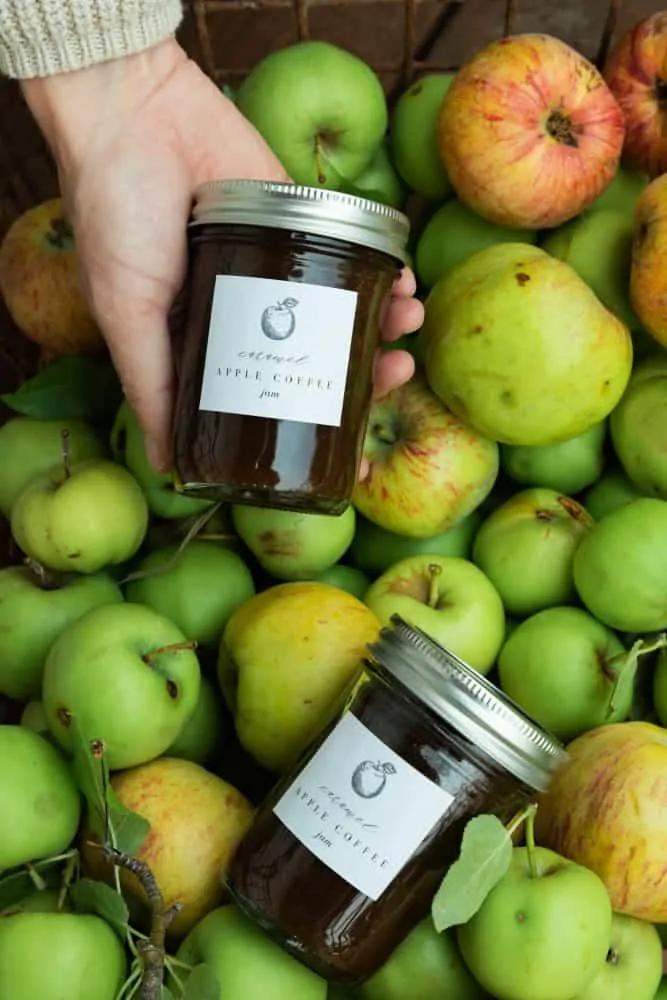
x=317 y=211
x=469 y=702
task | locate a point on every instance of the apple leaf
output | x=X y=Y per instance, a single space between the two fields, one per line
x=89 y=896
x=202 y=984
x=72 y=387
x=165 y=993
x=485 y=856
x=109 y=821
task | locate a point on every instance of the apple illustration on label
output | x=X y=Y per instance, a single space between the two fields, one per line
x=279 y=321
x=369 y=778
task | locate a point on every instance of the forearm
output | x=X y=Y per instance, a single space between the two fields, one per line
x=41 y=38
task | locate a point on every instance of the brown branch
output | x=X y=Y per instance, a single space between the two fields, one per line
x=302 y=20
x=409 y=41
x=608 y=32
x=510 y=13
x=152 y=950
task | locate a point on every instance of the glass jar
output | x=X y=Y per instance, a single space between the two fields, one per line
x=275 y=376
x=346 y=853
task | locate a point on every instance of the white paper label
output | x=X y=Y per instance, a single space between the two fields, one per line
x=360 y=808
x=278 y=349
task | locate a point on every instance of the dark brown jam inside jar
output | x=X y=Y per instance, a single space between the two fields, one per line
x=275 y=379
x=345 y=855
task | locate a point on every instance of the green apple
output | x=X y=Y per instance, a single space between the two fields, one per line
x=453 y=233
x=51 y=956
x=374 y=549
x=127 y=445
x=495 y=350
x=379 y=181
x=414 y=136
x=620 y=568
x=245 y=962
x=449 y=599
x=562 y=666
x=623 y=191
x=34 y=609
x=526 y=548
x=425 y=966
x=39 y=901
x=40 y=806
x=569 y=466
x=598 y=245
x=639 y=428
x=81 y=518
x=30 y=448
x=201 y=588
x=543 y=931
x=611 y=491
x=33 y=717
x=427 y=468
x=320 y=108
x=347 y=578
x=292 y=546
x=128 y=677
x=633 y=969
x=201 y=738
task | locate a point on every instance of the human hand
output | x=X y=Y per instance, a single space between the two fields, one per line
x=133 y=138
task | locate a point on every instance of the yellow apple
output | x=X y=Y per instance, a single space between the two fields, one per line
x=39 y=282
x=196 y=819
x=607 y=810
x=287 y=658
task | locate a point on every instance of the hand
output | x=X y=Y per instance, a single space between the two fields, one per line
x=132 y=139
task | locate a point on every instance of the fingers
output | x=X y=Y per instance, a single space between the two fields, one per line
x=391 y=369
x=401 y=313
x=406 y=285
x=142 y=357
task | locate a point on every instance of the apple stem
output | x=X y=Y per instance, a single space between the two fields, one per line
x=434 y=571
x=196 y=527
x=67 y=452
x=174 y=647
x=152 y=950
x=44 y=579
x=216 y=538
x=36 y=878
x=530 y=840
x=321 y=175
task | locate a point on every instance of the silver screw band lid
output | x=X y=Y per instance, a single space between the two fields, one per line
x=469 y=702
x=316 y=211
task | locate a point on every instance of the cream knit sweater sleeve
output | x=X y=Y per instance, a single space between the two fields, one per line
x=44 y=37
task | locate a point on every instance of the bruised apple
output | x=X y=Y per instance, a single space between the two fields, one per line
x=40 y=284
x=648 y=273
x=606 y=809
x=529 y=132
x=427 y=468
x=636 y=73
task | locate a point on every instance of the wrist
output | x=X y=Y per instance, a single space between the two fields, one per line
x=69 y=107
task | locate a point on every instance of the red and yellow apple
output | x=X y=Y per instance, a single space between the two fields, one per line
x=529 y=132
x=636 y=73
x=607 y=810
x=40 y=284
x=648 y=274
x=427 y=468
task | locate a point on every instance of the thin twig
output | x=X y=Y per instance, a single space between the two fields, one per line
x=152 y=950
x=302 y=20
x=510 y=12
x=608 y=32
x=409 y=41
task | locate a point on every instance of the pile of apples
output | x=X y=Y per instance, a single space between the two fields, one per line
x=515 y=511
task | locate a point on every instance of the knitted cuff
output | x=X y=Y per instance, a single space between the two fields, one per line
x=44 y=37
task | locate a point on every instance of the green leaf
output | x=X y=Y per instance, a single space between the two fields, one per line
x=73 y=387
x=166 y=994
x=485 y=856
x=89 y=896
x=110 y=821
x=202 y=984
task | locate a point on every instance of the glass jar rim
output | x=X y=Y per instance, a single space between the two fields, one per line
x=316 y=211
x=466 y=699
